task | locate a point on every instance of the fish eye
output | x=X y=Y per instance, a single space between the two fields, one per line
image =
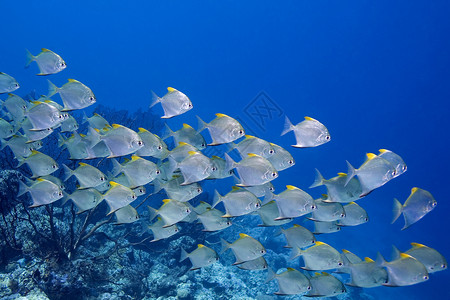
x=159 y=147
x=190 y=104
x=217 y=258
x=340 y=264
x=257 y=204
x=102 y=178
x=141 y=190
x=366 y=219
x=133 y=196
x=271 y=189
x=327 y=137
x=274 y=174
x=49 y=129
x=63 y=64
x=343 y=291
x=313 y=206
x=158 y=172
x=54 y=166
x=434 y=204
x=425 y=277
x=60 y=194
x=229 y=223
x=230 y=172
x=308 y=288
x=16 y=85
x=313 y=241
x=263 y=251
x=203 y=145
x=24 y=107
x=213 y=169
x=443 y=266
x=404 y=168
x=342 y=215
x=199 y=190
x=385 y=281
x=338 y=228
x=290 y=162
x=271 y=151
x=241 y=131
x=264 y=267
x=91 y=99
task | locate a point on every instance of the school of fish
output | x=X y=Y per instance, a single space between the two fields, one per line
x=178 y=172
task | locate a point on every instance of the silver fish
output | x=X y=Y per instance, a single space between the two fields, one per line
x=252 y=144
x=325 y=285
x=395 y=160
x=201 y=257
x=153 y=145
x=171 y=212
x=354 y=215
x=237 y=202
x=268 y=212
x=245 y=248
x=96 y=121
x=337 y=189
x=85 y=199
x=290 y=282
x=281 y=159
x=298 y=236
x=259 y=263
x=195 y=167
x=118 y=196
x=16 y=106
x=403 y=271
x=188 y=135
x=74 y=94
x=7 y=83
x=223 y=129
x=308 y=133
x=327 y=211
x=364 y=273
x=252 y=170
x=43 y=115
x=294 y=202
x=174 y=103
x=87 y=175
x=138 y=171
x=6 y=129
x=126 y=215
x=42 y=192
x=326 y=227
x=321 y=256
x=212 y=220
x=39 y=163
x=48 y=62
x=429 y=257
x=176 y=191
x=160 y=232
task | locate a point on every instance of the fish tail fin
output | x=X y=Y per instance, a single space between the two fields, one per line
x=152 y=213
x=225 y=245
x=217 y=198
x=84 y=118
x=230 y=146
x=230 y=163
x=397 y=209
x=61 y=140
x=269 y=196
x=21 y=160
x=287 y=126
x=117 y=167
x=3 y=144
x=23 y=188
x=155 y=100
x=52 y=89
x=380 y=260
x=169 y=132
x=296 y=252
x=30 y=58
x=67 y=173
x=318 y=181
x=395 y=254
x=270 y=275
x=94 y=137
x=173 y=165
x=346 y=261
x=350 y=174
x=65 y=198
x=157 y=185
x=201 y=124
x=183 y=255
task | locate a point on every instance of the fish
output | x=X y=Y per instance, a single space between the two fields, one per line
x=327 y=211
x=188 y=135
x=69 y=124
x=16 y=106
x=85 y=199
x=194 y=168
x=138 y=171
x=268 y=212
x=290 y=282
x=298 y=236
x=96 y=121
x=120 y=140
x=161 y=232
x=126 y=215
x=118 y=196
x=174 y=103
x=6 y=129
x=42 y=192
x=326 y=227
x=404 y=270
x=171 y=212
x=259 y=263
x=223 y=129
x=245 y=248
x=373 y=173
x=88 y=176
x=308 y=133
x=180 y=152
x=153 y=145
x=337 y=189
x=39 y=163
x=325 y=285
x=281 y=159
x=74 y=94
x=252 y=170
x=48 y=62
x=294 y=202
x=55 y=180
x=176 y=191
x=321 y=256
x=212 y=220
x=34 y=135
x=43 y=115
x=363 y=273
x=78 y=149
x=354 y=215
x=237 y=202
x=201 y=257
x=252 y=144
x=7 y=83
x=429 y=257
x=221 y=171
x=395 y=160
x=419 y=203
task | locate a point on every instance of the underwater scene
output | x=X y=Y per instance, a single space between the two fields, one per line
x=224 y=150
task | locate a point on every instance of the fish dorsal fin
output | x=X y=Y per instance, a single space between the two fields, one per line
x=115 y=126
x=325 y=273
x=106 y=128
x=96 y=114
x=36 y=102
x=417 y=245
x=125 y=160
x=45 y=50
x=249 y=136
x=34 y=152
x=414 y=189
x=243 y=235
x=295 y=225
x=166 y=201
x=310 y=119
x=317 y=274
x=383 y=150
x=134 y=157
x=203 y=202
x=340 y=174
x=352 y=203
x=187 y=126
x=72 y=80
x=404 y=255
x=49 y=101
x=200 y=246
x=346 y=251
x=159 y=218
x=291 y=269
x=192 y=152
x=252 y=155
x=40 y=179
x=216 y=157
x=291 y=187
x=370 y=156
x=182 y=144
x=324 y=196
x=113 y=184
x=96 y=129
x=83 y=164
x=219 y=115
x=235 y=188
x=368 y=259
x=171 y=89
x=319 y=243
x=141 y=130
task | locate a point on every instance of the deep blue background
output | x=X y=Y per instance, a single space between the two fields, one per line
x=376 y=73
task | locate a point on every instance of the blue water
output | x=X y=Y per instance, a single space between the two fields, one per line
x=375 y=73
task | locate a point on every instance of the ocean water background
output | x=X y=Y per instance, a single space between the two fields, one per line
x=375 y=73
